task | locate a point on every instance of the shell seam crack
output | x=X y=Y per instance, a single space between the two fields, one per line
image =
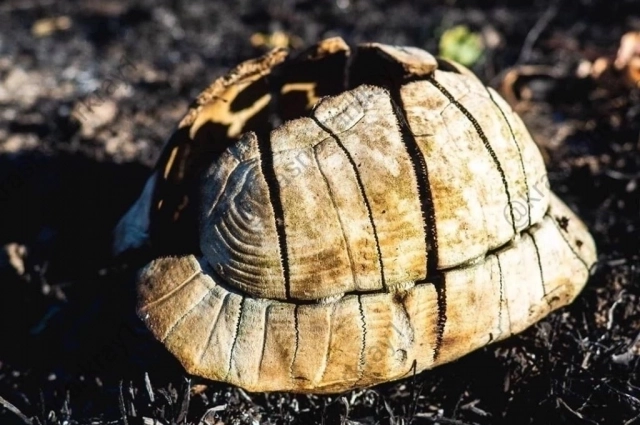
x=515 y=142
x=335 y=207
x=484 y=139
x=361 y=363
x=181 y=319
x=235 y=338
x=427 y=210
x=362 y=192
x=273 y=187
x=328 y=353
x=213 y=327
x=172 y=291
x=264 y=339
x=296 y=342
x=544 y=288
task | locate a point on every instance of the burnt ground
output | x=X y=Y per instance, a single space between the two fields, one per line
x=71 y=350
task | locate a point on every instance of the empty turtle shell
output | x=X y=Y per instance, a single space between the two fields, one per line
x=324 y=222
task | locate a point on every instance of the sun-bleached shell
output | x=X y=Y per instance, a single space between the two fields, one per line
x=385 y=227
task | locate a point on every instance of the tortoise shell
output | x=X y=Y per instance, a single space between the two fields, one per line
x=324 y=222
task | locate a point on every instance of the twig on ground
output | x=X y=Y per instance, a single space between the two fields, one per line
x=618 y=300
x=442 y=420
x=147 y=384
x=13 y=409
x=534 y=33
x=629 y=355
x=184 y=407
x=204 y=420
x=576 y=413
x=472 y=407
x=633 y=420
x=244 y=395
x=123 y=410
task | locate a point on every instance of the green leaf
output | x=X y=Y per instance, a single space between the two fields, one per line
x=461 y=45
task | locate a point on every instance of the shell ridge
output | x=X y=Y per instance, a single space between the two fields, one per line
x=237 y=249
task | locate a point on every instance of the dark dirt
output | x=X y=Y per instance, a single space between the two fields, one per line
x=71 y=350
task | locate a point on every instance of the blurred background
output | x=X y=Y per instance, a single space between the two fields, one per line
x=90 y=91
